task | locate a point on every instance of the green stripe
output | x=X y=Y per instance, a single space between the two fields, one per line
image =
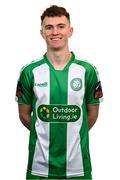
x=33 y=138
x=84 y=136
x=58 y=131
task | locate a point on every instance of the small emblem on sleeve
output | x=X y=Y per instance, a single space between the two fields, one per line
x=98 y=91
x=19 y=89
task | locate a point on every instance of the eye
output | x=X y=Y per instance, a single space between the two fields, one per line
x=48 y=27
x=61 y=26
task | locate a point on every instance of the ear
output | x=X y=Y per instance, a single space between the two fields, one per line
x=70 y=32
x=41 y=32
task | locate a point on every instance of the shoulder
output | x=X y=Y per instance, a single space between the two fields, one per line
x=28 y=68
x=89 y=67
x=85 y=63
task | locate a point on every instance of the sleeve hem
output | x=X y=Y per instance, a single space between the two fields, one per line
x=100 y=100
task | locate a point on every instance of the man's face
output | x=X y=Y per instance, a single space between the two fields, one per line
x=56 y=31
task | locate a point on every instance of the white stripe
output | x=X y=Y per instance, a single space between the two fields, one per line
x=40 y=160
x=74 y=154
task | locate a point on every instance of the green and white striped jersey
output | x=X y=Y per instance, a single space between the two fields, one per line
x=59 y=142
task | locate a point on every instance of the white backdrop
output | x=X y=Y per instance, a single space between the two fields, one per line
x=96 y=38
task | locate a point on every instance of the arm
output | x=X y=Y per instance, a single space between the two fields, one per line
x=92 y=111
x=25 y=114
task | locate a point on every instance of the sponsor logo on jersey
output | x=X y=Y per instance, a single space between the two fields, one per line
x=44 y=84
x=76 y=84
x=44 y=112
x=59 y=113
x=98 y=91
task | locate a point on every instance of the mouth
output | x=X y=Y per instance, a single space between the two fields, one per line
x=56 y=38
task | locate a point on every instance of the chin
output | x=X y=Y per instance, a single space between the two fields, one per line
x=56 y=47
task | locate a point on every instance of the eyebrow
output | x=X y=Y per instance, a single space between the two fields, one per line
x=56 y=25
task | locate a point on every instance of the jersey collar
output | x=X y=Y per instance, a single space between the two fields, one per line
x=65 y=68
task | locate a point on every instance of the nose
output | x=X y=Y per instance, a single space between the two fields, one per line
x=55 y=31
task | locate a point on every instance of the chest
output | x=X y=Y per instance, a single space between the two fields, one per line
x=59 y=87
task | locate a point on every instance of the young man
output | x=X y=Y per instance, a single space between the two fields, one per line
x=58 y=98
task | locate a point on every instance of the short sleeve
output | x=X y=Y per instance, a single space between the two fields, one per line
x=94 y=93
x=24 y=92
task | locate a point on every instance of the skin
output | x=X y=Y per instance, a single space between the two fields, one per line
x=25 y=114
x=56 y=31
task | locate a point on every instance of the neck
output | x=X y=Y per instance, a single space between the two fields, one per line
x=59 y=59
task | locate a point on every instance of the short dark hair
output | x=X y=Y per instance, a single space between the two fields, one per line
x=53 y=11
